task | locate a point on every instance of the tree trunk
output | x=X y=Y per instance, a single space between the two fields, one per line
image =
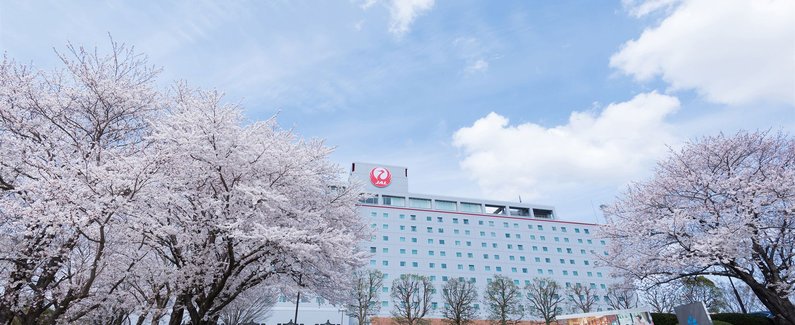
x=782 y=307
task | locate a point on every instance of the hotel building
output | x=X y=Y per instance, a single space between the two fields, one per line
x=445 y=237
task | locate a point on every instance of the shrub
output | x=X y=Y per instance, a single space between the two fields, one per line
x=743 y=319
x=664 y=319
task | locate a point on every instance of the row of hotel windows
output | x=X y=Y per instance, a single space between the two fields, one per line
x=491 y=223
x=468 y=207
x=485 y=256
x=482 y=233
x=488 y=268
x=493 y=245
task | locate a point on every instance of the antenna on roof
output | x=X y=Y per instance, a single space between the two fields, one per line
x=520 y=198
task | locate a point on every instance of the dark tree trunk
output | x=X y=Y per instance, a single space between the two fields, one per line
x=782 y=307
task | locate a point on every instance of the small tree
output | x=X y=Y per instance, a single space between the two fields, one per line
x=459 y=299
x=661 y=298
x=364 y=295
x=248 y=307
x=545 y=297
x=621 y=296
x=582 y=298
x=699 y=288
x=503 y=300
x=411 y=296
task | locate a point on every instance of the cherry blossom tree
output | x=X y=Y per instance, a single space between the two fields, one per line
x=73 y=167
x=242 y=205
x=722 y=205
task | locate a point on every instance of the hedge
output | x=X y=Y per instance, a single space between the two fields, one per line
x=730 y=318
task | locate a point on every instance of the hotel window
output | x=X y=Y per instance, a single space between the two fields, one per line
x=540 y=271
x=469 y=244
x=565 y=272
x=568 y=250
x=543 y=238
x=471 y=267
x=384 y=303
x=499 y=269
x=574 y=273
x=545 y=249
x=419 y=203
x=385 y=226
x=413 y=217
x=513 y=269
x=602 y=242
x=585 y=262
x=493 y=245
x=459 y=254
x=563 y=229
x=577 y=230
x=470 y=255
x=549 y=272
x=455 y=220
x=566 y=240
x=372 y=262
x=484 y=245
x=520 y=247
x=562 y=261
x=493 y=234
x=538 y=260
x=471 y=207
x=533 y=237
x=524 y=270
x=460 y=266
x=511 y=258
x=430 y=253
x=590 y=241
x=373 y=214
x=414 y=264
x=445 y=205
x=402 y=216
x=510 y=246
x=413 y=239
x=442 y=253
x=385 y=250
x=540 y=227
x=439 y=219
x=440 y=230
x=505 y=224
x=413 y=252
x=590 y=274
x=372 y=249
x=394 y=201
x=518 y=236
x=402 y=251
x=466 y=221
x=535 y=248
x=598 y=274
x=402 y=239
x=441 y=241
x=402 y=263
x=466 y=232
x=560 y=250
x=428 y=218
x=487 y=268
x=414 y=228
x=521 y=258
x=385 y=263
x=554 y=228
x=402 y=227
x=507 y=235
x=482 y=234
x=547 y=260
x=385 y=238
x=491 y=223
x=571 y=262
x=429 y=229
x=444 y=266
x=430 y=241
x=579 y=240
x=384 y=289
x=480 y=222
x=557 y=239
x=586 y=231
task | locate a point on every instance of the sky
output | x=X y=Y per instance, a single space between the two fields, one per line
x=560 y=103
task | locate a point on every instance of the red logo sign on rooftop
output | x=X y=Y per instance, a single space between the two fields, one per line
x=380 y=177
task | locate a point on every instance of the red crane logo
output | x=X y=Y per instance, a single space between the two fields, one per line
x=380 y=177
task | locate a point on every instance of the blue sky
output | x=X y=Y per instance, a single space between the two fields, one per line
x=559 y=102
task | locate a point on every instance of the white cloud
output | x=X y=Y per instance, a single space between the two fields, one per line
x=731 y=52
x=593 y=150
x=404 y=12
x=480 y=65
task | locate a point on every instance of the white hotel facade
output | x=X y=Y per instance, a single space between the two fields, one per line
x=445 y=237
